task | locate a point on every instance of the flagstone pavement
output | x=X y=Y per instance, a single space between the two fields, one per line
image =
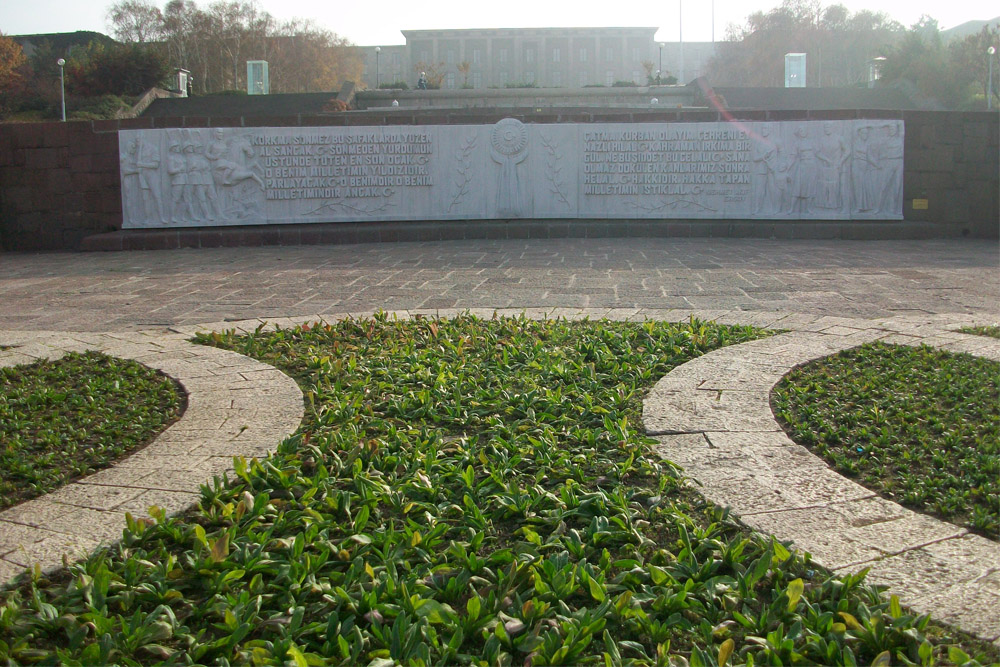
x=710 y=415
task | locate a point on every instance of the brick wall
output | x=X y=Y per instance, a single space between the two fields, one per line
x=59 y=182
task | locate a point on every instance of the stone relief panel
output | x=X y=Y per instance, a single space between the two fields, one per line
x=810 y=170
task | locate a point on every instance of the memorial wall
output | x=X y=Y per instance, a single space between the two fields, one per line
x=801 y=170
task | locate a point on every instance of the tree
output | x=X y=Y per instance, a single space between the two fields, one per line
x=921 y=58
x=839 y=45
x=135 y=21
x=434 y=71
x=464 y=68
x=11 y=59
x=308 y=58
x=127 y=69
x=970 y=56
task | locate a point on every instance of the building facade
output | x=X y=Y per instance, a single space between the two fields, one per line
x=542 y=57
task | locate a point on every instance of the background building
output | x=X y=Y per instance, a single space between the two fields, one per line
x=543 y=57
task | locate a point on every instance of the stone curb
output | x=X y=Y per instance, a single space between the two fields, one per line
x=712 y=416
x=236 y=407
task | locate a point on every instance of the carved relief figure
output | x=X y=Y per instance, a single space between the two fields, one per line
x=131 y=199
x=233 y=163
x=765 y=156
x=890 y=200
x=148 y=163
x=177 y=170
x=201 y=187
x=832 y=155
x=804 y=170
x=508 y=148
x=864 y=170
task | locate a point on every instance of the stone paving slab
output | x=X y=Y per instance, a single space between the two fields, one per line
x=742 y=459
x=242 y=408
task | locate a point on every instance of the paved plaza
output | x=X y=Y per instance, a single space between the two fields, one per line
x=711 y=415
x=157 y=289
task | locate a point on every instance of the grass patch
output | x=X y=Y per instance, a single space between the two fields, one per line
x=61 y=420
x=991 y=331
x=917 y=425
x=462 y=492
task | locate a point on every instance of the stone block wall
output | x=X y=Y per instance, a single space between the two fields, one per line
x=59 y=182
x=953 y=161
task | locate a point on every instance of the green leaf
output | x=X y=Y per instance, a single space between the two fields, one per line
x=883 y=659
x=794 y=592
x=596 y=589
x=297 y=656
x=957 y=655
x=895 y=609
x=726 y=650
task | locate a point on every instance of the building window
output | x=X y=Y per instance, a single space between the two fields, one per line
x=583 y=79
x=557 y=79
x=504 y=79
x=529 y=77
x=451 y=56
x=477 y=57
x=583 y=55
x=477 y=80
x=425 y=56
x=635 y=55
x=503 y=55
x=555 y=55
x=529 y=56
x=609 y=55
x=450 y=81
x=609 y=78
x=395 y=60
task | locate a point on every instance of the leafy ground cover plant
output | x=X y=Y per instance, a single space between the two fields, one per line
x=991 y=331
x=918 y=425
x=63 y=419
x=463 y=492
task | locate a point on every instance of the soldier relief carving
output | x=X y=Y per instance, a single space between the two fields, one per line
x=846 y=169
x=808 y=170
x=200 y=179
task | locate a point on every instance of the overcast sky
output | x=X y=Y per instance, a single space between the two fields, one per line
x=380 y=22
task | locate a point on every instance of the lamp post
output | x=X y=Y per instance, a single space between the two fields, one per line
x=62 y=86
x=378 y=50
x=680 y=39
x=989 y=93
x=660 y=44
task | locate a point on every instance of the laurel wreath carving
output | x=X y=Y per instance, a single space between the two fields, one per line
x=554 y=170
x=464 y=169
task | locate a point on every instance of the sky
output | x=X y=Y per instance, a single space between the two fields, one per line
x=381 y=22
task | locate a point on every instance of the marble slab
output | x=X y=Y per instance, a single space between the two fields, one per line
x=802 y=170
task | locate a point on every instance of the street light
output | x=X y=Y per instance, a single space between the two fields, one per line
x=680 y=38
x=62 y=85
x=989 y=94
x=378 y=50
x=660 y=44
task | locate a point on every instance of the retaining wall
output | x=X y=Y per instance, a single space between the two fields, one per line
x=59 y=183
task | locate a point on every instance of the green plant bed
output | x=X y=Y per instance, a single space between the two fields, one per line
x=462 y=492
x=991 y=331
x=61 y=420
x=917 y=425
